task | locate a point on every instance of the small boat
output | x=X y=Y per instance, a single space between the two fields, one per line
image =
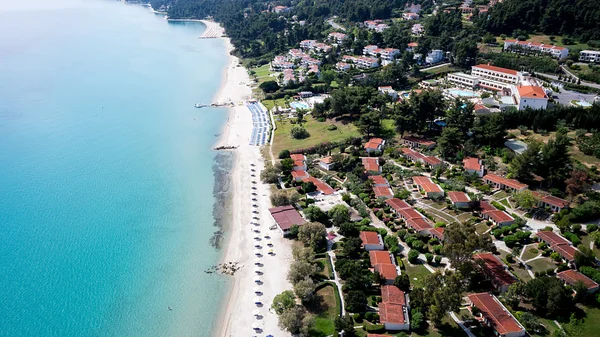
x=198 y=105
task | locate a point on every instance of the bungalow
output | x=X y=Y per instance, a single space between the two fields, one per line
x=394 y=316
x=397 y=204
x=383 y=192
x=572 y=277
x=371 y=165
x=431 y=189
x=498 y=217
x=371 y=241
x=420 y=225
x=299 y=175
x=299 y=162
x=412 y=46
x=285 y=217
x=431 y=162
x=495 y=314
x=410 y=214
x=410 y=16
x=473 y=166
x=337 y=37
x=343 y=66
x=387 y=90
x=438 y=232
x=379 y=181
x=459 y=199
x=495 y=271
x=415 y=142
x=559 y=244
x=322 y=187
x=374 y=144
x=497 y=181
x=554 y=203
x=387 y=271
x=380 y=257
x=411 y=154
x=326 y=163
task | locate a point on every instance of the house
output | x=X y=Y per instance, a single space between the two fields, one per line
x=496 y=74
x=394 y=317
x=495 y=271
x=281 y=9
x=459 y=199
x=589 y=56
x=285 y=217
x=554 y=203
x=411 y=154
x=371 y=165
x=479 y=108
x=502 y=183
x=419 y=143
x=387 y=90
x=473 y=166
x=371 y=241
x=393 y=295
x=337 y=37
x=343 y=66
x=326 y=163
x=387 y=271
x=397 y=205
x=410 y=16
x=379 y=181
x=414 y=8
x=299 y=175
x=558 y=244
x=420 y=225
x=410 y=214
x=374 y=144
x=299 y=162
x=322 y=187
x=495 y=314
x=380 y=257
x=417 y=29
x=498 y=217
x=572 y=277
x=434 y=56
x=367 y=62
x=530 y=96
x=428 y=187
x=521 y=46
x=431 y=162
x=438 y=232
x=383 y=192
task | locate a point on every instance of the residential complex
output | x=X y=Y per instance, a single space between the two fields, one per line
x=527 y=46
x=592 y=56
x=495 y=314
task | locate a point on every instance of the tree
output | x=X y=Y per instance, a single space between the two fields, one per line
x=284 y=154
x=346 y=324
x=309 y=187
x=339 y=214
x=443 y=293
x=305 y=289
x=314 y=213
x=529 y=321
x=460 y=242
x=584 y=256
x=299 y=270
x=450 y=142
x=352 y=247
x=460 y=115
x=523 y=166
x=283 y=301
x=270 y=174
x=298 y=132
x=292 y=319
x=548 y=296
x=526 y=199
x=581 y=291
x=281 y=198
x=413 y=255
x=514 y=294
x=416 y=320
x=465 y=53
x=402 y=282
x=348 y=229
x=578 y=182
x=313 y=234
x=356 y=301
x=269 y=86
x=556 y=159
x=370 y=123
x=303 y=254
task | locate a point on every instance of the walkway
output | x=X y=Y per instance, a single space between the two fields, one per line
x=461 y=324
x=438 y=66
x=336 y=279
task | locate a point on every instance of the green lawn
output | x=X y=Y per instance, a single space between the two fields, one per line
x=545 y=39
x=446 y=68
x=520 y=272
x=464 y=216
x=416 y=273
x=448 y=329
x=323 y=267
x=542 y=264
x=529 y=254
x=500 y=195
x=326 y=311
x=481 y=228
x=262 y=73
x=318 y=134
x=590 y=326
x=585 y=240
x=439 y=215
x=270 y=103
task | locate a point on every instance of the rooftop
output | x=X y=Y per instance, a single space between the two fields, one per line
x=572 y=277
x=286 y=216
x=497 y=69
x=498 y=316
x=297 y=157
x=410 y=213
x=555 y=201
x=382 y=191
x=499 y=216
x=391 y=294
x=321 y=186
x=397 y=204
x=391 y=313
x=327 y=160
x=379 y=257
x=471 y=164
x=299 y=174
x=378 y=180
x=458 y=197
x=513 y=183
x=438 y=232
x=418 y=224
x=496 y=268
x=530 y=91
x=387 y=271
x=371 y=164
x=422 y=141
x=370 y=238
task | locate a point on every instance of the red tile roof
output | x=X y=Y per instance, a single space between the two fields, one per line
x=572 y=277
x=498 y=69
x=371 y=164
x=299 y=174
x=513 y=183
x=486 y=206
x=286 y=216
x=299 y=163
x=393 y=295
x=558 y=244
x=409 y=213
x=438 y=232
x=420 y=141
x=297 y=157
x=495 y=269
x=421 y=180
x=388 y=271
x=391 y=313
x=413 y=44
x=378 y=180
x=379 y=257
x=471 y=164
x=458 y=197
x=432 y=160
x=419 y=224
x=431 y=188
x=397 y=204
x=321 y=186
x=374 y=143
x=498 y=316
x=530 y=91
x=370 y=238
x=555 y=201
x=382 y=191
x=327 y=160
x=414 y=155
x=499 y=216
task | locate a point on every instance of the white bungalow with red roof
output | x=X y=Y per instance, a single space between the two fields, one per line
x=285 y=217
x=383 y=192
x=498 y=217
x=554 y=51
x=459 y=199
x=502 y=183
x=397 y=204
x=388 y=90
x=530 y=96
x=495 y=314
x=393 y=309
x=493 y=73
x=374 y=144
x=379 y=181
x=299 y=175
x=419 y=143
x=556 y=204
x=388 y=272
x=371 y=165
x=326 y=163
x=558 y=244
x=322 y=188
x=411 y=154
x=299 y=162
x=431 y=162
x=380 y=257
x=428 y=187
x=473 y=166
x=495 y=271
x=371 y=241
x=572 y=277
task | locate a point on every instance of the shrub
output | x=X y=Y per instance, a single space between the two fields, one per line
x=413 y=255
x=429 y=257
x=591 y=228
x=298 y=132
x=374 y=328
x=284 y=154
x=321 y=119
x=438 y=259
x=509 y=258
x=332 y=127
x=369 y=315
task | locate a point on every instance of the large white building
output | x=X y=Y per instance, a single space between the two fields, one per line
x=589 y=56
x=498 y=74
x=554 y=51
x=529 y=96
x=461 y=79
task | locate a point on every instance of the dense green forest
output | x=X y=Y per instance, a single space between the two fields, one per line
x=578 y=18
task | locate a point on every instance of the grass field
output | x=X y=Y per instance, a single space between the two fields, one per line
x=318 y=134
x=590 y=326
x=327 y=312
x=438 y=70
x=542 y=264
x=262 y=73
x=416 y=273
x=481 y=228
x=528 y=254
x=270 y=103
x=448 y=329
x=545 y=39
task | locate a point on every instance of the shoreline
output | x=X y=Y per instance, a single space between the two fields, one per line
x=236 y=310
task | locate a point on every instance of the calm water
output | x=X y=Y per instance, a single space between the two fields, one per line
x=106 y=172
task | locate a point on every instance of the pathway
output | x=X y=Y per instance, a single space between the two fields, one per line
x=434 y=67
x=461 y=324
x=336 y=279
x=335 y=25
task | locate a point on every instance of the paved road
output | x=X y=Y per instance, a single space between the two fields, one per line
x=587 y=84
x=335 y=25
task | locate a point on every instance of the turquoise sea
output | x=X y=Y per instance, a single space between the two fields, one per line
x=106 y=171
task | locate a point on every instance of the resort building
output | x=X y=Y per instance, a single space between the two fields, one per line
x=387 y=90
x=343 y=66
x=555 y=204
x=393 y=309
x=411 y=154
x=379 y=181
x=592 y=56
x=421 y=226
x=414 y=8
x=281 y=9
x=495 y=271
x=419 y=143
x=388 y=272
x=498 y=217
x=473 y=166
x=410 y=16
x=285 y=217
x=438 y=232
x=299 y=162
x=495 y=314
x=299 y=175
x=383 y=192
x=322 y=188
x=463 y=80
x=572 y=277
x=496 y=74
x=432 y=162
x=397 y=205
x=315 y=46
x=386 y=54
x=459 y=199
x=529 y=96
x=434 y=56
x=326 y=163
x=558 y=244
x=337 y=37
x=374 y=144
x=517 y=46
x=379 y=257
x=367 y=62
x=376 y=25
x=371 y=241
x=428 y=187
x=409 y=214
x=502 y=183
x=371 y=165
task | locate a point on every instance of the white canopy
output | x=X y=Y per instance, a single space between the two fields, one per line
x=257 y=279
x=257 y=252
x=256 y=312
x=257 y=270
x=255 y=326
x=257 y=290
x=257 y=300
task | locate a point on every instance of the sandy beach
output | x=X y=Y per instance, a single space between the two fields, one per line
x=238 y=312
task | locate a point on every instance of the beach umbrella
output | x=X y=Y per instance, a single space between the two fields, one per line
x=257 y=261
x=257 y=300
x=256 y=224
x=269 y=243
x=257 y=252
x=257 y=270
x=256 y=312
x=271 y=251
x=257 y=290
x=255 y=326
x=257 y=280
x=257 y=246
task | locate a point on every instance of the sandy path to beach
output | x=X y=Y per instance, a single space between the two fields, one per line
x=237 y=317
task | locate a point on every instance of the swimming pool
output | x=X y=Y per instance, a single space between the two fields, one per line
x=584 y=104
x=463 y=93
x=300 y=105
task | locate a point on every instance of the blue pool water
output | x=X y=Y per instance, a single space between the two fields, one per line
x=106 y=174
x=463 y=93
x=300 y=105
